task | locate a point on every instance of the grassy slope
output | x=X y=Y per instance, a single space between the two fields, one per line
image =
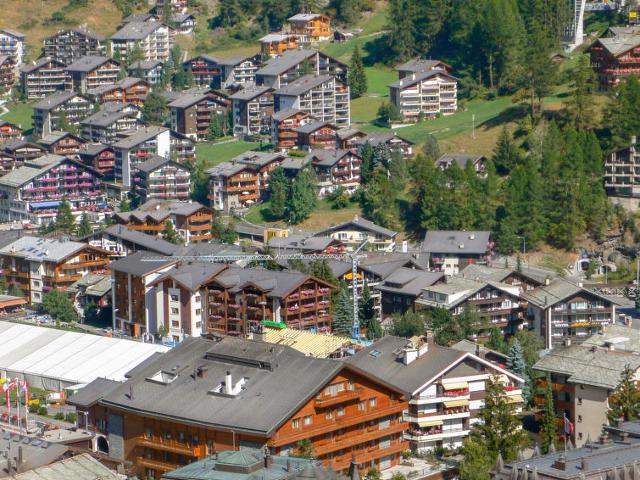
x=27 y=16
x=214 y=153
x=20 y=114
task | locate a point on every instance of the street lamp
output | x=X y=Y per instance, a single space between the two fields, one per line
x=524 y=246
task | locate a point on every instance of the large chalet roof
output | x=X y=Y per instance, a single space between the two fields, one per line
x=257 y=159
x=620 y=44
x=24 y=174
x=456 y=242
x=158 y=210
x=359 y=223
x=191 y=275
x=409 y=281
x=305 y=17
x=151 y=243
x=37 y=249
x=106 y=117
x=227 y=169
x=13 y=33
x=557 y=291
x=250 y=93
x=498 y=273
x=277 y=381
x=141 y=263
x=55 y=100
x=10 y=146
x=81 y=31
x=154 y=163
x=41 y=62
x=311 y=127
x=185 y=100
x=286 y=113
x=144 y=65
x=419 y=77
x=89 y=395
x=328 y=158
x=125 y=83
x=136 y=30
x=285 y=62
x=140 y=136
x=88 y=63
x=421 y=65
x=53 y=137
x=303 y=84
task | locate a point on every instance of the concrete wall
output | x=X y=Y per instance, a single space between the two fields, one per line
x=591 y=406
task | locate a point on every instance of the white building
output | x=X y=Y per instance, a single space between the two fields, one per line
x=12 y=43
x=430 y=94
x=137 y=148
x=154 y=39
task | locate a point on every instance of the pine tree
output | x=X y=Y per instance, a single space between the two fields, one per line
x=342 y=307
x=84 y=228
x=155 y=109
x=499 y=429
x=357 y=76
x=625 y=401
x=135 y=55
x=279 y=190
x=321 y=269
x=548 y=427
x=215 y=127
x=496 y=340
x=580 y=106
x=125 y=206
x=517 y=365
x=621 y=119
x=540 y=71
x=366 y=171
x=170 y=234
x=199 y=182
x=476 y=462
x=65 y=221
x=303 y=198
x=230 y=13
x=505 y=154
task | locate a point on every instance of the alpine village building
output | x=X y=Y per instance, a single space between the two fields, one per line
x=70 y=45
x=346 y=415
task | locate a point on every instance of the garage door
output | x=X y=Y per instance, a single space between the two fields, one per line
x=385 y=462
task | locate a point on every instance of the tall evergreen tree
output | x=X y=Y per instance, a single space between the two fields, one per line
x=621 y=117
x=65 y=221
x=357 y=76
x=548 y=428
x=625 y=401
x=580 y=105
x=303 y=198
x=84 y=228
x=279 y=191
x=505 y=153
x=342 y=307
x=155 y=109
x=170 y=234
x=321 y=269
x=366 y=171
x=540 y=71
x=401 y=36
x=199 y=182
x=517 y=365
x=496 y=340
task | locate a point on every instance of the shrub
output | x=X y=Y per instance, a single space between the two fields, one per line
x=59 y=416
x=43 y=411
x=71 y=417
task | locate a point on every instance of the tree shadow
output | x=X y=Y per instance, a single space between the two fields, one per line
x=510 y=114
x=377 y=51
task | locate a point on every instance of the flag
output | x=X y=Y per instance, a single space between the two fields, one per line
x=568 y=426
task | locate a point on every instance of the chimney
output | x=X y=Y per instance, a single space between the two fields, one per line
x=546 y=281
x=202 y=371
x=228 y=385
x=584 y=465
x=130 y=392
x=560 y=463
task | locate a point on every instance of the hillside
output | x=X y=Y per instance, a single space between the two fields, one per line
x=32 y=17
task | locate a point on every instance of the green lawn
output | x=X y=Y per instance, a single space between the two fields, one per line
x=451 y=125
x=20 y=114
x=215 y=153
x=374 y=23
x=378 y=79
x=364 y=109
x=342 y=50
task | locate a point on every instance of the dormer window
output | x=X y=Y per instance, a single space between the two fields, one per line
x=163 y=377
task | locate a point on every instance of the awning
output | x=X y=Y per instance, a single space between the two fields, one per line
x=45 y=204
x=515 y=399
x=455 y=386
x=430 y=423
x=456 y=403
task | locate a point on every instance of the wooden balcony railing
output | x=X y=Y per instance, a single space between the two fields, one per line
x=342 y=397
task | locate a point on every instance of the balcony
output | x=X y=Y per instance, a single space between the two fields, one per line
x=155 y=464
x=342 y=397
x=371 y=454
x=435 y=434
x=169 y=446
x=371 y=433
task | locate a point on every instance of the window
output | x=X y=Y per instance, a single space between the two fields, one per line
x=174 y=298
x=328 y=414
x=167 y=435
x=197 y=299
x=295 y=423
x=579 y=418
x=307 y=420
x=579 y=400
x=340 y=411
x=351 y=385
x=361 y=406
x=579 y=435
x=175 y=310
x=198 y=311
x=148 y=433
x=181 y=437
x=373 y=402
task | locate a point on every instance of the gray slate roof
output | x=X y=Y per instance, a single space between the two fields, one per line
x=55 y=100
x=419 y=77
x=227 y=169
x=79 y=467
x=54 y=137
x=359 y=223
x=153 y=163
x=26 y=173
x=136 y=30
x=136 y=264
x=35 y=452
x=146 y=242
x=88 y=63
x=419 y=65
x=408 y=281
x=460 y=158
x=558 y=290
x=456 y=242
x=286 y=113
x=82 y=31
x=13 y=33
x=28 y=68
x=92 y=392
x=303 y=84
x=250 y=93
x=622 y=338
x=192 y=275
x=620 y=44
x=498 y=273
x=285 y=62
x=328 y=158
x=408 y=378
x=269 y=398
x=140 y=136
x=313 y=126
x=106 y=117
x=38 y=249
x=301 y=243
x=257 y=159
x=144 y=65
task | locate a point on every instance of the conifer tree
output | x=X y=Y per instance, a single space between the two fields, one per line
x=65 y=221
x=357 y=76
x=476 y=462
x=505 y=153
x=621 y=117
x=303 y=198
x=548 y=428
x=496 y=340
x=170 y=234
x=625 y=401
x=580 y=104
x=155 y=109
x=517 y=365
x=342 y=307
x=321 y=269
x=366 y=171
x=279 y=190
x=84 y=228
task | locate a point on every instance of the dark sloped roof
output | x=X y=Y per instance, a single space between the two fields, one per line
x=286 y=113
x=419 y=76
x=408 y=378
x=137 y=265
x=456 y=241
x=420 y=65
x=250 y=93
x=313 y=126
x=136 y=30
x=409 y=281
x=55 y=100
x=142 y=240
x=460 y=158
x=153 y=163
x=40 y=63
x=88 y=63
x=192 y=275
x=359 y=224
x=286 y=61
x=92 y=392
x=269 y=397
x=303 y=84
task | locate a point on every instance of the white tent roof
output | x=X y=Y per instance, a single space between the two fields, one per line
x=68 y=356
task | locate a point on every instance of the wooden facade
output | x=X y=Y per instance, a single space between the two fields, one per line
x=10 y=131
x=283 y=129
x=311 y=27
x=611 y=64
x=7 y=73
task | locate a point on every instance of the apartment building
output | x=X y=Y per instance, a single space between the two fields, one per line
x=7 y=74
x=12 y=43
x=91 y=72
x=350 y=138
x=621 y=175
x=280 y=71
x=583 y=378
x=311 y=27
x=615 y=57
x=153 y=38
x=162 y=178
x=401 y=290
x=346 y=415
x=322 y=96
x=38 y=265
x=190 y=219
x=53 y=112
x=151 y=71
x=43 y=77
x=445 y=387
x=177 y=6
x=100 y=157
x=353 y=232
x=68 y=46
x=419 y=65
x=252 y=109
x=206 y=70
x=284 y=125
x=336 y=169
x=427 y=94
x=14 y=153
x=451 y=251
x=34 y=191
x=275 y=44
x=183 y=149
x=10 y=131
x=317 y=135
x=243 y=181
x=498 y=305
x=62 y=143
x=128 y=91
x=562 y=310
x=223 y=73
x=137 y=148
x=121 y=241
x=110 y=122
x=191 y=113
